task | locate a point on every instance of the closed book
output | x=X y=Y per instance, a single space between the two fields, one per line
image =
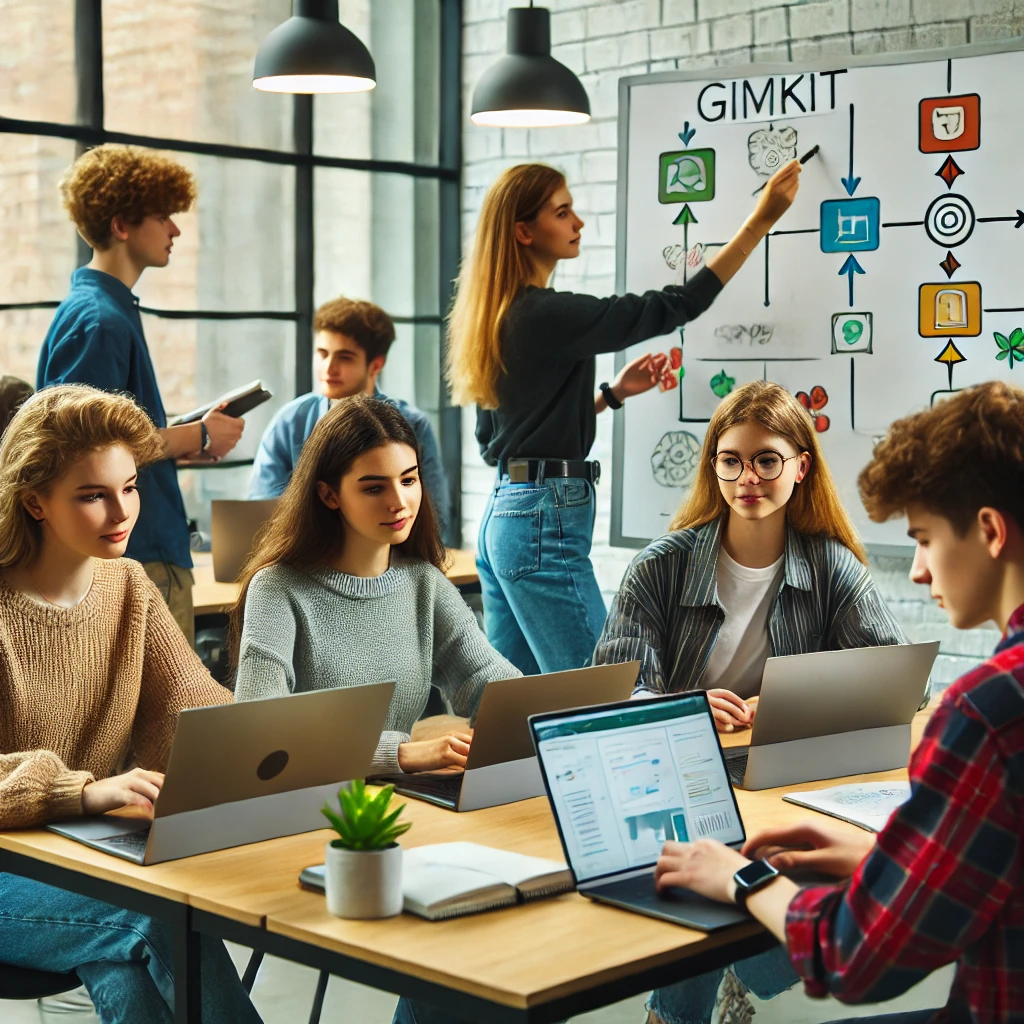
x=451 y=879
x=239 y=402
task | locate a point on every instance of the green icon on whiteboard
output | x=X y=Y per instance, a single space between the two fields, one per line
x=851 y=332
x=722 y=384
x=686 y=176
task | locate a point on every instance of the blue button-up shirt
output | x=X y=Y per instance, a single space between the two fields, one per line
x=96 y=338
x=287 y=432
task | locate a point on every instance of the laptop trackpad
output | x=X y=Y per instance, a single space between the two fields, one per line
x=101 y=827
x=679 y=905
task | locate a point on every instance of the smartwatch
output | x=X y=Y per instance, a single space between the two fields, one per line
x=609 y=396
x=756 y=875
x=207 y=440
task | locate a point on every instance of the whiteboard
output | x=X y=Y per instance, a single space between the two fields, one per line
x=894 y=280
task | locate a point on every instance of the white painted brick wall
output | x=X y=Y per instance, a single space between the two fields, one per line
x=604 y=40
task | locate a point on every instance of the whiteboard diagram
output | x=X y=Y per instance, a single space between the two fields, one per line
x=895 y=280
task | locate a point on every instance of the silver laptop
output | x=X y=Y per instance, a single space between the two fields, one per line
x=242 y=773
x=833 y=713
x=502 y=764
x=233 y=529
x=622 y=780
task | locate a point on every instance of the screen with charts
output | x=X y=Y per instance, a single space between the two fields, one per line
x=625 y=780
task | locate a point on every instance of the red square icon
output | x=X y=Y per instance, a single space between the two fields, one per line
x=950 y=123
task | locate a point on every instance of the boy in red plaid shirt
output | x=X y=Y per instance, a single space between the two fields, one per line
x=942 y=882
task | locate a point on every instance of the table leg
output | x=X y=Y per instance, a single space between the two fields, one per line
x=187 y=973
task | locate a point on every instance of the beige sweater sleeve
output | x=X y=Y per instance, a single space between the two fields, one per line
x=173 y=679
x=36 y=787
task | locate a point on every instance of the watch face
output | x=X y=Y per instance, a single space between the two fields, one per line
x=754 y=874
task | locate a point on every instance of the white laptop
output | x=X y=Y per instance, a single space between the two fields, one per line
x=625 y=778
x=830 y=714
x=242 y=773
x=502 y=764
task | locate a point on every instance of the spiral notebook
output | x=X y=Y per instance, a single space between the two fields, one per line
x=451 y=879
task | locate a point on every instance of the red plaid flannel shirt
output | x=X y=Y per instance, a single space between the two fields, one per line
x=944 y=881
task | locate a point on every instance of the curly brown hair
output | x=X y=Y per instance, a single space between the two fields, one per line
x=962 y=455
x=135 y=183
x=366 y=324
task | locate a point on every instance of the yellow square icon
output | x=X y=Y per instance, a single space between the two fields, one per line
x=950 y=310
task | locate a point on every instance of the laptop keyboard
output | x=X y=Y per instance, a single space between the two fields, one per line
x=736 y=765
x=130 y=842
x=445 y=787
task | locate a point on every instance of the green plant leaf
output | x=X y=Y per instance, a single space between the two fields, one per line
x=1001 y=340
x=1017 y=336
x=1002 y=355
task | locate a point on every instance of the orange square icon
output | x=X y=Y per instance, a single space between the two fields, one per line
x=950 y=124
x=950 y=310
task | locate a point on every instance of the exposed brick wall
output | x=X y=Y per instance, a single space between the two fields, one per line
x=605 y=41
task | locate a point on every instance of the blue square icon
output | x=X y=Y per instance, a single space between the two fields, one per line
x=849 y=225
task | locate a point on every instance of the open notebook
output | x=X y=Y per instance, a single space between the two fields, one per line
x=452 y=879
x=865 y=804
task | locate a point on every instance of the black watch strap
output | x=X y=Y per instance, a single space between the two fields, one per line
x=609 y=396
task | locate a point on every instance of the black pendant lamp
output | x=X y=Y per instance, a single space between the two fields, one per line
x=312 y=52
x=528 y=88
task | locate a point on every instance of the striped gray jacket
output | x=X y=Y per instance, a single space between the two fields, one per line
x=666 y=613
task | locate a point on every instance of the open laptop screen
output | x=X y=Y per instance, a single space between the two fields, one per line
x=625 y=779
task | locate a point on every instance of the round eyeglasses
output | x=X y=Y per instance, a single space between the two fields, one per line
x=766 y=465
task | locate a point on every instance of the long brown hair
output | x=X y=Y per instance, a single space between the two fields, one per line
x=491 y=275
x=49 y=433
x=305 y=533
x=814 y=508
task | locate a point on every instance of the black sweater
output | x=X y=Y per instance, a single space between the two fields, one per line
x=548 y=342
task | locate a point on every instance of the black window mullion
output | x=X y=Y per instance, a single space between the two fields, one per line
x=304 y=257
x=89 y=82
x=449 y=190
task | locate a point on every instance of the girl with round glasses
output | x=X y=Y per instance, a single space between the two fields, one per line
x=762 y=560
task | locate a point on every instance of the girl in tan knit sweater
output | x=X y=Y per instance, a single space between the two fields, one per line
x=93 y=673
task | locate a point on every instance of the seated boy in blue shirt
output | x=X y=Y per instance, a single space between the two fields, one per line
x=121 y=200
x=351 y=342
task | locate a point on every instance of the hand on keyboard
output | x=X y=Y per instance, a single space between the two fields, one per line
x=137 y=788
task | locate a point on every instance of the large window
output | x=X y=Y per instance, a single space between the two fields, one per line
x=300 y=199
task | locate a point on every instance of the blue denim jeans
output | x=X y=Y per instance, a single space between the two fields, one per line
x=124 y=959
x=543 y=609
x=693 y=1001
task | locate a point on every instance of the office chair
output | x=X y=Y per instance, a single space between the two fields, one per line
x=25 y=983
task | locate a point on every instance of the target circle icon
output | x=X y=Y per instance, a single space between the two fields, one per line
x=949 y=220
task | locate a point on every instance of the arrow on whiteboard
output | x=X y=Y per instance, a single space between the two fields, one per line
x=686 y=218
x=1018 y=219
x=851 y=267
x=851 y=182
x=950 y=355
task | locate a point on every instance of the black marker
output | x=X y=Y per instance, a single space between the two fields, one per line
x=807 y=156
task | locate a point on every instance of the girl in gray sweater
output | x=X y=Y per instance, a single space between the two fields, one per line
x=345 y=588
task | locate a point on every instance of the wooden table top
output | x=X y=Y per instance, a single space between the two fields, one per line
x=211 y=598
x=504 y=955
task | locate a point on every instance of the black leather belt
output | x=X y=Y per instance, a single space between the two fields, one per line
x=523 y=471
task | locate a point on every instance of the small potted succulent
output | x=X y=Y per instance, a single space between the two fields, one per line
x=363 y=866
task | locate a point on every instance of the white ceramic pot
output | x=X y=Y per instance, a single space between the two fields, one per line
x=363 y=883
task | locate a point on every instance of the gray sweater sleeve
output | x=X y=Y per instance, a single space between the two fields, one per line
x=463 y=661
x=266 y=655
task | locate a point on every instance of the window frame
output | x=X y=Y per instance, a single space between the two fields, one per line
x=88 y=130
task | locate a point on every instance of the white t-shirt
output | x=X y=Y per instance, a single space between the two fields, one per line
x=743 y=646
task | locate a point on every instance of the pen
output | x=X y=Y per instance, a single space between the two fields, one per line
x=807 y=156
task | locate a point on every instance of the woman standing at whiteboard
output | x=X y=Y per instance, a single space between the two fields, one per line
x=524 y=354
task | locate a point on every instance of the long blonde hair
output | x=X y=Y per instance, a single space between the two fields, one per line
x=48 y=434
x=491 y=275
x=814 y=508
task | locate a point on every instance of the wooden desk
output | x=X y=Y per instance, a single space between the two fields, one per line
x=212 y=598
x=540 y=962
